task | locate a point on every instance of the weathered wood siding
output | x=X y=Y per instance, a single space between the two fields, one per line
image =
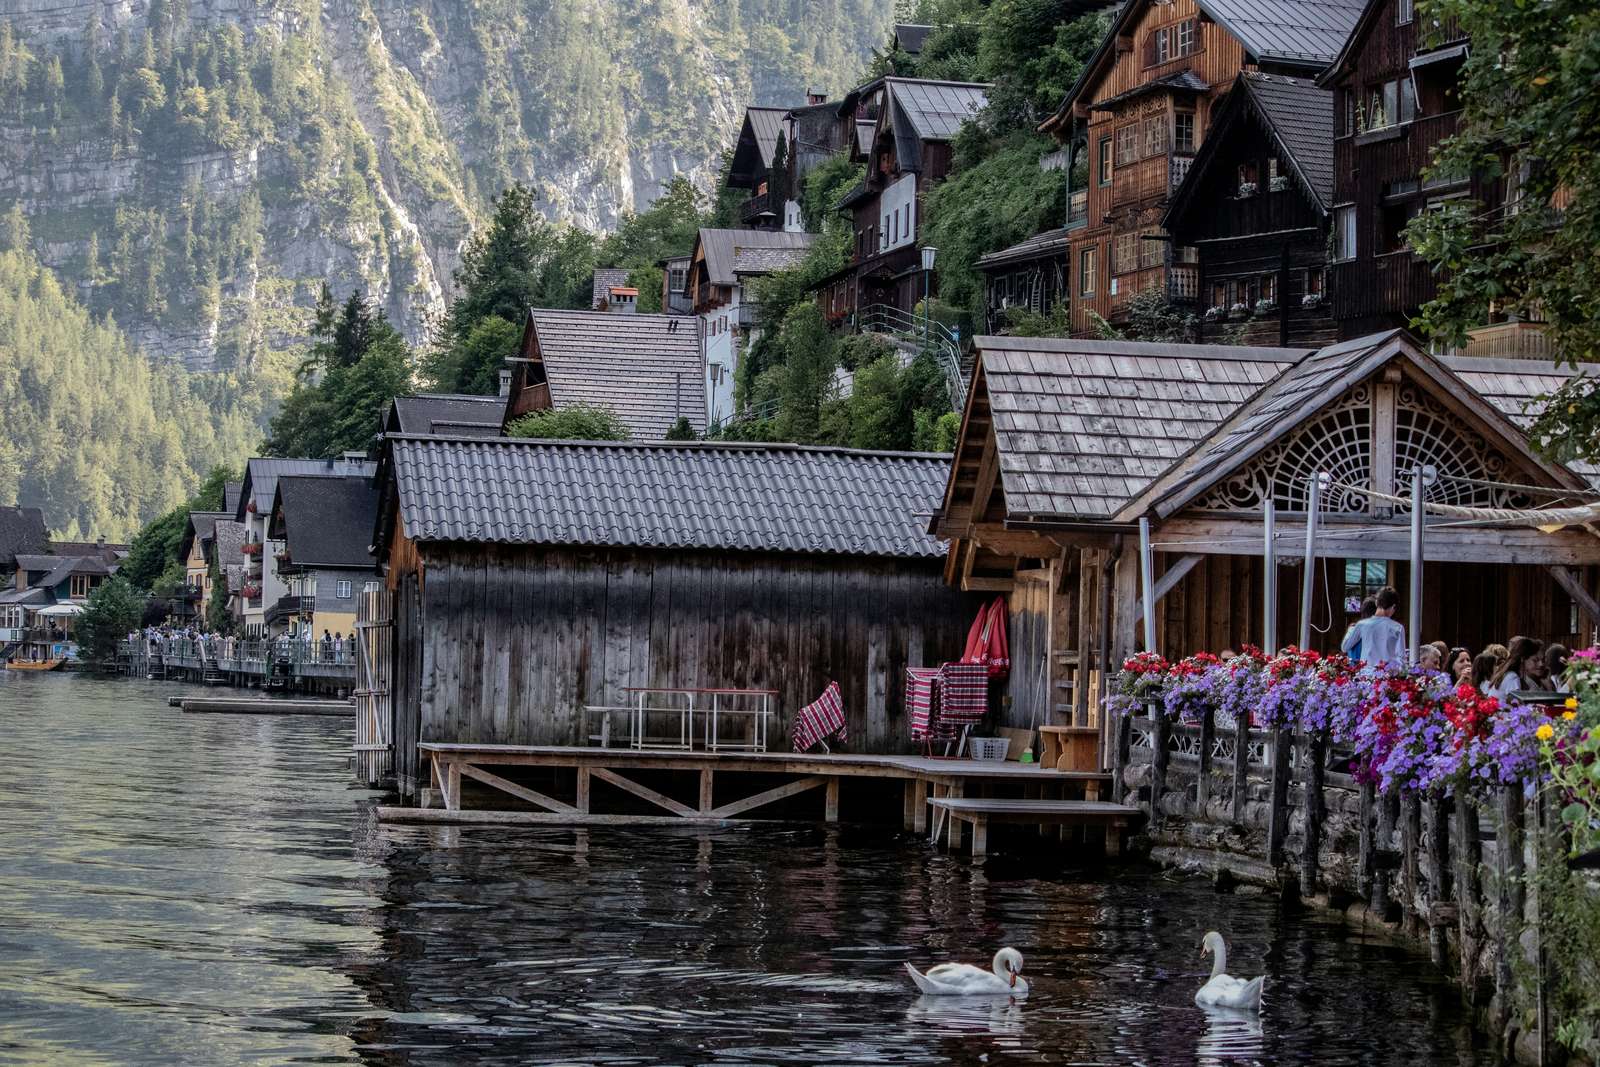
x=1029 y=635
x=515 y=641
x=406 y=684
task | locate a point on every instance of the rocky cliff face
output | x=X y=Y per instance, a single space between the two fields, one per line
x=198 y=168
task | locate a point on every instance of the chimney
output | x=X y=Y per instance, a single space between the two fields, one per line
x=505 y=381
x=816 y=96
x=623 y=300
x=354 y=458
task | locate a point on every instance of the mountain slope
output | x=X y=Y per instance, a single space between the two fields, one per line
x=199 y=167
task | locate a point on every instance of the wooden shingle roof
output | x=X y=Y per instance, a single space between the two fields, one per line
x=1082 y=427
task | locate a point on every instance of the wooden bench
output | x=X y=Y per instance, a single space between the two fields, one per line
x=980 y=811
x=1069 y=748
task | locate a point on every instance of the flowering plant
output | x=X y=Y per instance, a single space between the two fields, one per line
x=1142 y=680
x=1195 y=685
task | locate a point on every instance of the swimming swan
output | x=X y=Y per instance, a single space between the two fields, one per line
x=1224 y=990
x=965 y=980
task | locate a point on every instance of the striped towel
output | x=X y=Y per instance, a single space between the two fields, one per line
x=963 y=693
x=922 y=700
x=820 y=720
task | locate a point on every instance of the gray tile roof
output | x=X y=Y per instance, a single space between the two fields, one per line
x=766 y=123
x=752 y=261
x=328 y=521
x=1516 y=387
x=1183 y=81
x=261 y=476
x=727 y=250
x=1308 y=31
x=1301 y=118
x=453 y=413
x=202 y=526
x=230 y=496
x=646 y=368
x=1082 y=427
x=1285 y=402
x=605 y=279
x=1039 y=246
x=21 y=530
x=228 y=543
x=37 y=561
x=910 y=36
x=720 y=497
x=935 y=109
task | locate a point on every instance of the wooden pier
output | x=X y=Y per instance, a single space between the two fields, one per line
x=261 y=706
x=730 y=786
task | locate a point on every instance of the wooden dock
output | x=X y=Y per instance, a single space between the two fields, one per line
x=588 y=781
x=260 y=706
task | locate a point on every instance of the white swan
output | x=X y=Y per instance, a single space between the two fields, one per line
x=965 y=980
x=1224 y=990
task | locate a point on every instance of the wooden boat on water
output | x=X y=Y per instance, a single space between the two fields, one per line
x=36 y=664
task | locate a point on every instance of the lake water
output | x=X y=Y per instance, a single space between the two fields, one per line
x=211 y=890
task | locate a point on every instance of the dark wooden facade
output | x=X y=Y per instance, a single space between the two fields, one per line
x=1258 y=227
x=507 y=645
x=1395 y=101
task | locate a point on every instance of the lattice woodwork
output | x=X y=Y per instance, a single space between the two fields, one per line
x=1339 y=443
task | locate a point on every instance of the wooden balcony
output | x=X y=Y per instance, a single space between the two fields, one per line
x=1149 y=179
x=756 y=209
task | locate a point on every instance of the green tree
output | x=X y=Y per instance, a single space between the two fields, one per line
x=681 y=430
x=356 y=365
x=219 y=620
x=809 y=357
x=1529 y=113
x=576 y=422
x=112 y=611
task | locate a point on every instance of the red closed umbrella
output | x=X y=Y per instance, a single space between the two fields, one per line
x=986 y=640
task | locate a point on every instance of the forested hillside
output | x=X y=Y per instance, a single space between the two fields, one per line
x=89 y=429
x=200 y=168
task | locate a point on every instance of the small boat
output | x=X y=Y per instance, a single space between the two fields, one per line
x=36 y=664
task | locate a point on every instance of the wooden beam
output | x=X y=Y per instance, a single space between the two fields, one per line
x=705 y=791
x=987 y=585
x=1034 y=574
x=1172 y=576
x=830 y=804
x=770 y=796
x=537 y=799
x=988 y=472
x=1339 y=539
x=660 y=800
x=1569 y=581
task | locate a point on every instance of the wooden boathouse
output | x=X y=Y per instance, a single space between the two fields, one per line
x=1067 y=444
x=534 y=579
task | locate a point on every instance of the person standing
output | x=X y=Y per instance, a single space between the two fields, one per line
x=1369 y=608
x=1381 y=640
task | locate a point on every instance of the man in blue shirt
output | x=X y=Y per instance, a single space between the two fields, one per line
x=1380 y=640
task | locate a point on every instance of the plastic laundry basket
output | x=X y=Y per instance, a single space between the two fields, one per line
x=990 y=748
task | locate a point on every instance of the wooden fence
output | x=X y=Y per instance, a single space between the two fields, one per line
x=374 y=742
x=1279 y=807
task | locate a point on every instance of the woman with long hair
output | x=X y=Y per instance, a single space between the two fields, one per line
x=1523 y=664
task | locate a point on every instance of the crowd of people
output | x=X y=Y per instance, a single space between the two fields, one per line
x=303 y=644
x=1522 y=664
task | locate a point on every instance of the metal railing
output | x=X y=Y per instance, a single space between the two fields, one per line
x=244 y=655
x=935 y=337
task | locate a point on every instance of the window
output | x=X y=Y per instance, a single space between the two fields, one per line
x=80 y=585
x=1312 y=284
x=1105 y=161
x=1344 y=232
x=1347 y=111
x=1185 y=37
x=1183 y=131
x=1086 y=272
x=1155 y=136
x=1269 y=287
x=1124 y=253
x=1363 y=578
x=1185 y=254
x=1516 y=177
x=1163 y=45
x=1150 y=250
x=1391 y=103
x=677 y=279
x=343 y=589
x=1404 y=11
x=1127 y=144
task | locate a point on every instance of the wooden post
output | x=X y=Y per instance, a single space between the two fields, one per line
x=1269 y=578
x=1366 y=862
x=583 y=790
x=830 y=809
x=1087 y=561
x=1122 y=752
x=1315 y=744
x=1469 y=854
x=1410 y=843
x=1308 y=579
x=1278 y=819
x=705 y=792
x=1437 y=843
x=1147 y=584
x=919 y=814
x=1202 y=793
x=1241 y=765
x=1159 y=757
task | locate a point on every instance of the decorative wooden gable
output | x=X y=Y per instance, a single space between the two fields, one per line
x=1399 y=425
x=1365 y=413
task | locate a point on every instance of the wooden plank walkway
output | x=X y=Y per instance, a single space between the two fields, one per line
x=262 y=706
x=718 y=800
x=979 y=812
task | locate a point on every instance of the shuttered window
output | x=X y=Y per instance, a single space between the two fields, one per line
x=1127 y=144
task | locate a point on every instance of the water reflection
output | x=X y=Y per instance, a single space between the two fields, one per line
x=184 y=889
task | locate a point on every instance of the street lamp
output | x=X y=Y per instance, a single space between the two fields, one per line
x=928 y=253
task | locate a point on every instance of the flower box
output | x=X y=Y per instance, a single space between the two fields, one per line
x=1247 y=190
x=1265 y=307
x=1279 y=183
x=1311 y=300
x=252 y=548
x=1239 y=311
x=1216 y=314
